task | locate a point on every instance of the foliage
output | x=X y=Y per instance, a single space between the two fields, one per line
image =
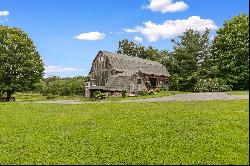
x=169 y=133
x=99 y=95
x=211 y=85
x=136 y=50
x=231 y=52
x=61 y=86
x=50 y=96
x=124 y=93
x=163 y=89
x=143 y=93
x=189 y=57
x=20 y=62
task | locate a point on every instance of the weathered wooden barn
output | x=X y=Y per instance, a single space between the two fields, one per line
x=117 y=72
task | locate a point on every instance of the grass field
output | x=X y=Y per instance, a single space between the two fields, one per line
x=30 y=96
x=211 y=132
x=160 y=94
x=238 y=92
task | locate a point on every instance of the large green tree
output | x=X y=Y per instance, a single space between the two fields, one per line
x=230 y=52
x=20 y=62
x=189 y=59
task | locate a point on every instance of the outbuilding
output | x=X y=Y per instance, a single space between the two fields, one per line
x=113 y=73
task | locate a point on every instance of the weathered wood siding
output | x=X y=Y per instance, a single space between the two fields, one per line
x=101 y=70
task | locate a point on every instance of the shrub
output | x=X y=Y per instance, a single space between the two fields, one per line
x=61 y=86
x=163 y=89
x=211 y=85
x=175 y=83
x=143 y=93
x=124 y=93
x=99 y=95
x=50 y=96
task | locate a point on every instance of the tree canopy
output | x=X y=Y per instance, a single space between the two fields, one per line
x=230 y=52
x=133 y=49
x=189 y=57
x=20 y=62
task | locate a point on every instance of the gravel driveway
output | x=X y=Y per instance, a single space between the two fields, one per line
x=178 y=97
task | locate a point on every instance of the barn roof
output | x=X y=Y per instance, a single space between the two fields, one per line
x=129 y=64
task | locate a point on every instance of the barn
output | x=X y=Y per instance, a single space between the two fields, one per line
x=113 y=73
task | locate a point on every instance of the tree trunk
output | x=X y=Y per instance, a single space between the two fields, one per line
x=9 y=93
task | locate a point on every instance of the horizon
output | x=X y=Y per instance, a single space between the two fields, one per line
x=68 y=35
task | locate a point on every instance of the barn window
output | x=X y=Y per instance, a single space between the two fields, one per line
x=138 y=81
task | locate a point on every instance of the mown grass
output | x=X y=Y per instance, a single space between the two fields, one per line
x=211 y=132
x=238 y=92
x=160 y=94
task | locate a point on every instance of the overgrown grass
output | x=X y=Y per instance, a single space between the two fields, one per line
x=238 y=92
x=211 y=132
x=31 y=96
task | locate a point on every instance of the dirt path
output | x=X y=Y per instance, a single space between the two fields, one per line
x=178 y=97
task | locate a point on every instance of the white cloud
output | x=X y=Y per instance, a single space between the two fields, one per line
x=172 y=28
x=91 y=36
x=55 y=69
x=138 y=39
x=4 y=13
x=164 y=6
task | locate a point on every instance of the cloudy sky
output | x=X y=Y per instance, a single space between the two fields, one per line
x=68 y=34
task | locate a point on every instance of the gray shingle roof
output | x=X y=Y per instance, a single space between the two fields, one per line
x=129 y=64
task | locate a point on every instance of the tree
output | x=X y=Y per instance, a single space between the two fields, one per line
x=189 y=59
x=136 y=50
x=20 y=62
x=230 y=52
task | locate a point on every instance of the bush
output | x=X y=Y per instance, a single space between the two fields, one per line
x=143 y=93
x=211 y=85
x=61 y=86
x=124 y=93
x=175 y=83
x=50 y=96
x=99 y=95
x=163 y=89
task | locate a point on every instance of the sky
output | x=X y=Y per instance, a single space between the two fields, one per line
x=69 y=33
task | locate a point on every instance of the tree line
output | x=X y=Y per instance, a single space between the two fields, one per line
x=61 y=86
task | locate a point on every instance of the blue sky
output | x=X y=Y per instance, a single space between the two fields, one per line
x=68 y=34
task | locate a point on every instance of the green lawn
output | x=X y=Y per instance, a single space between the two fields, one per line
x=211 y=132
x=238 y=92
x=160 y=94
